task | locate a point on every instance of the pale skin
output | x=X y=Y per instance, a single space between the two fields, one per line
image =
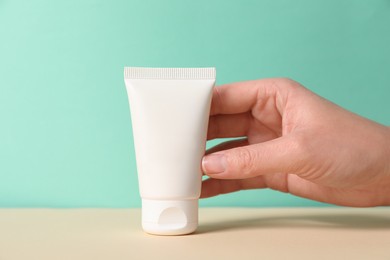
x=297 y=142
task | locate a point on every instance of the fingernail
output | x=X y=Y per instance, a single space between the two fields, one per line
x=214 y=163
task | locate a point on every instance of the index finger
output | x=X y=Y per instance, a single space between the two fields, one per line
x=238 y=97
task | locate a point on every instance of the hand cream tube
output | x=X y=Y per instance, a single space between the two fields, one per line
x=169 y=112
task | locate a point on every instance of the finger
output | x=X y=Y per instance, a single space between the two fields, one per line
x=228 y=145
x=240 y=97
x=280 y=155
x=226 y=126
x=239 y=125
x=213 y=187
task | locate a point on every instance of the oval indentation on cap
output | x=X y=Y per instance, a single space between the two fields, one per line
x=173 y=217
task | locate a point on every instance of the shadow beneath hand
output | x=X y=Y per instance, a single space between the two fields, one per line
x=328 y=221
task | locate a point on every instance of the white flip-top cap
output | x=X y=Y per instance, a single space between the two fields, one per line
x=169 y=217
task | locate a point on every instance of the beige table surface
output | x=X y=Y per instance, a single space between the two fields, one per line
x=224 y=233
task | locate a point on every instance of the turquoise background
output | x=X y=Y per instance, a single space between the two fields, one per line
x=65 y=130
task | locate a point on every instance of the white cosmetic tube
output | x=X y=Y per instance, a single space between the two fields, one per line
x=169 y=112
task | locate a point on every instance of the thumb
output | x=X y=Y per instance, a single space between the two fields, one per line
x=281 y=155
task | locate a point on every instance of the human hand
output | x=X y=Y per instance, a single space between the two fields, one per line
x=296 y=142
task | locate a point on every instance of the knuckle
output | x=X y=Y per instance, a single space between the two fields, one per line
x=244 y=161
x=289 y=83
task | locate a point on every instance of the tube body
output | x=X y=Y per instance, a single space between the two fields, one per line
x=169 y=112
